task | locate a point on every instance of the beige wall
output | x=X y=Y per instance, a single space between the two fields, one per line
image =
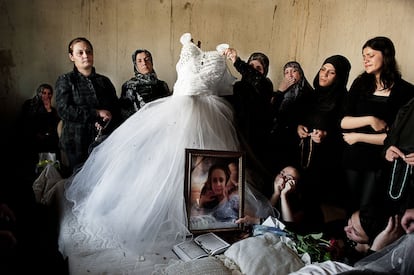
x=34 y=35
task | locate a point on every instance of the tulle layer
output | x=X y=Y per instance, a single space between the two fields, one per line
x=131 y=188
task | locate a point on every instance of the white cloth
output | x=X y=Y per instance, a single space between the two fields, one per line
x=323 y=268
x=44 y=187
x=131 y=188
x=264 y=255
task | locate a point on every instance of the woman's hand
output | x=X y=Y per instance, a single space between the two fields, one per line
x=231 y=54
x=209 y=196
x=391 y=233
x=248 y=219
x=378 y=125
x=393 y=153
x=409 y=159
x=104 y=116
x=318 y=135
x=278 y=184
x=302 y=131
x=351 y=138
x=286 y=82
x=290 y=186
x=407 y=221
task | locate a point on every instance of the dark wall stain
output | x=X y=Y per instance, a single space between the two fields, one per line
x=6 y=63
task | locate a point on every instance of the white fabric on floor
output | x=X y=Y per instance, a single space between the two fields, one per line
x=87 y=253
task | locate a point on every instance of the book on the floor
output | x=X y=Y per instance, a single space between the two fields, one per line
x=201 y=246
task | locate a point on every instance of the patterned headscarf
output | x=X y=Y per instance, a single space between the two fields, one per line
x=141 y=78
x=293 y=91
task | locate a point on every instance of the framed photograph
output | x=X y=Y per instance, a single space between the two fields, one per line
x=214 y=190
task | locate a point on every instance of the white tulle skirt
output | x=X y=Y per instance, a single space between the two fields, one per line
x=131 y=188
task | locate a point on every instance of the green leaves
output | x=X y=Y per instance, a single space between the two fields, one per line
x=318 y=249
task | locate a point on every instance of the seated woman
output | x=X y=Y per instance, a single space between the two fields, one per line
x=297 y=211
x=285 y=196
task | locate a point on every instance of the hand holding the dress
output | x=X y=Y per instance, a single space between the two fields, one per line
x=231 y=54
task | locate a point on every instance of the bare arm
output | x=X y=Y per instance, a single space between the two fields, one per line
x=350 y=122
x=390 y=234
x=352 y=138
x=278 y=186
x=287 y=213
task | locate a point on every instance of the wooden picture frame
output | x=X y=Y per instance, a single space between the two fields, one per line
x=215 y=208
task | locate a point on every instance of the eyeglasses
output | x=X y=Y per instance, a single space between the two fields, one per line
x=286 y=176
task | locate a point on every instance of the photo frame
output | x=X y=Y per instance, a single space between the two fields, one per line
x=214 y=190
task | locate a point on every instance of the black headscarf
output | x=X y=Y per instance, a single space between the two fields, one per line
x=330 y=94
x=292 y=92
x=262 y=58
x=342 y=68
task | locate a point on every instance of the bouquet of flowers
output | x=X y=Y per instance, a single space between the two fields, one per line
x=318 y=248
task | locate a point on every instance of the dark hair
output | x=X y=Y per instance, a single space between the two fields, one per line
x=134 y=55
x=134 y=58
x=43 y=86
x=76 y=40
x=373 y=219
x=213 y=167
x=262 y=58
x=207 y=185
x=389 y=71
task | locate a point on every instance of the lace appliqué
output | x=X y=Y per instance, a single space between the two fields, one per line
x=202 y=72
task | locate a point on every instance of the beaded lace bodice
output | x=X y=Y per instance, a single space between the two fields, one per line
x=202 y=72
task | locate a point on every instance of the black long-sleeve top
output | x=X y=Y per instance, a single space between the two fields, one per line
x=77 y=99
x=251 y=102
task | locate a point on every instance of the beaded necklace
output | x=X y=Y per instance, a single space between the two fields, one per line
x=406 y=173
x=302 y=144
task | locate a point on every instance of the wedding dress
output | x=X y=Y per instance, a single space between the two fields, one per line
x=131 y=188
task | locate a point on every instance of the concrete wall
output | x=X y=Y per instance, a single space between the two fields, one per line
x=35 y=33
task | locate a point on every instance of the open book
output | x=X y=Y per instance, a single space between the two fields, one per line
x=201 y=246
